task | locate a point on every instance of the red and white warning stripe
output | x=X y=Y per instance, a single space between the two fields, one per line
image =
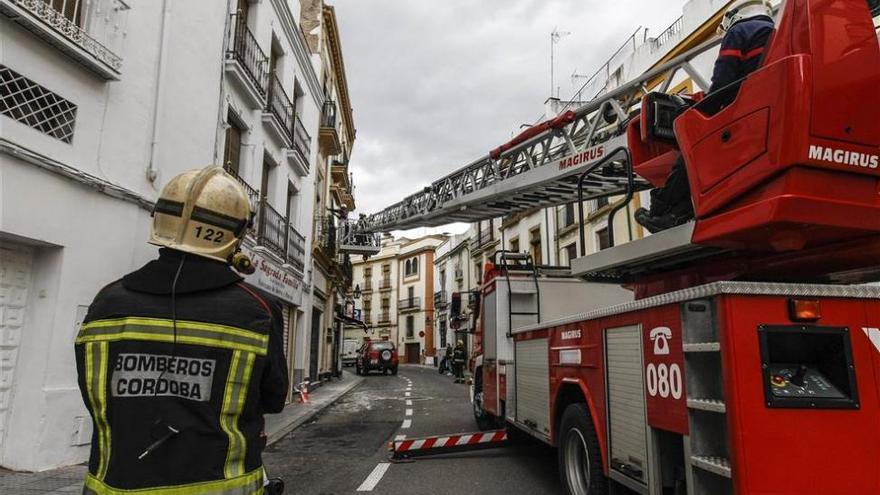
x=438 y=444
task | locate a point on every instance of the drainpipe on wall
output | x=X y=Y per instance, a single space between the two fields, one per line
x=151 y=173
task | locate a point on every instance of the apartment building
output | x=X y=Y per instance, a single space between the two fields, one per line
x=331 y=268
x=456 y=280
x=376 y=278
x=102 y=102
x=397 y=295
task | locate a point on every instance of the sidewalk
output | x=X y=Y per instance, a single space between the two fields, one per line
x=68 y=480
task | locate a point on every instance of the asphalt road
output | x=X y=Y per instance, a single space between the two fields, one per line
x=345 y=449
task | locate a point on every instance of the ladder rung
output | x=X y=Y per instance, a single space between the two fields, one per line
x=707 y=404
x=713 y=464
x=702 y=347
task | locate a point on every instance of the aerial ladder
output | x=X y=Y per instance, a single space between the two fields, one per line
x=737 y=353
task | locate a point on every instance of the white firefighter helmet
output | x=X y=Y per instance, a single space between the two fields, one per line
x=204 y=212
x=742 y=10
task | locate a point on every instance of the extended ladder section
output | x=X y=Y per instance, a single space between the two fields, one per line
x=542 y=166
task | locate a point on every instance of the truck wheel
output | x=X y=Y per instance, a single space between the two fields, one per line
x=580 y=462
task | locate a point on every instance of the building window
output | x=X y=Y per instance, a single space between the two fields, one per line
x=566 y=216
x=410 y=326
x=35 y=106
x=411 y=293
x=442 y=334
x=535 y=245
x=232 y=151
x=601 y=202
x=514 y=244
x=570 y=252
x=411 y=267
x=442 y=279
x=368 y=273
x=602 y=239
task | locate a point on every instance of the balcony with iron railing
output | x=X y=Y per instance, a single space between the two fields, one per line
x=89 y=32
x=296 y=248
x=385 y=284
x=409 y=304
x=483 y=237
x=302 y=145
x=247 y=62
x=341 y=185
x=328 y=137
x=673 y=32
x=279 y=111
x=440 y=299
x=272 y=230
x=384 y=318
x=366 y=285
x=253 y=194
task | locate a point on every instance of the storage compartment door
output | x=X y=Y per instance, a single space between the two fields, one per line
x=627 y=421
x=490 y=327
x=533 y=385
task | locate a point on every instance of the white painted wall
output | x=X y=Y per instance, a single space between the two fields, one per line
x=83 y=239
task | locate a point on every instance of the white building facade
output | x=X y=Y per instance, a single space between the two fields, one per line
x=102 y=103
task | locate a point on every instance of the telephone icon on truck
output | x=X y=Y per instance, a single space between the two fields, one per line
x=661 y=336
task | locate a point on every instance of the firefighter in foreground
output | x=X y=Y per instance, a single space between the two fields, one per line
x=747 y=27
x=179 y=360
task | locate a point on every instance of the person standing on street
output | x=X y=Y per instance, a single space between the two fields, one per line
x=178 y=361
x=458 y=359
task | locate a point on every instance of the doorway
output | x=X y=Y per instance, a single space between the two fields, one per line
x=412 y=353
x=315 y=344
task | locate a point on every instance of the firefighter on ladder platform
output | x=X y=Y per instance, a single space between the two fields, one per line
x=747 y=27
x=179 y=360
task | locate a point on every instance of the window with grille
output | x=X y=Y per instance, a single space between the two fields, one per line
x=410 y=326
x=35 y=106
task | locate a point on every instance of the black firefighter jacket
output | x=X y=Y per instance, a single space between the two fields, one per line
x=201 y=381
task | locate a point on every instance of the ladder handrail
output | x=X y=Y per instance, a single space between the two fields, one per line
x=588 y=129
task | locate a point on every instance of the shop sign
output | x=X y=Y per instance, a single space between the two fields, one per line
x=273 y=278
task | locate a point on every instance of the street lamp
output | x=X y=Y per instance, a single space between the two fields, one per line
x=357 y=291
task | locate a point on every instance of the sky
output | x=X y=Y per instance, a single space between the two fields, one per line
x=435 y=84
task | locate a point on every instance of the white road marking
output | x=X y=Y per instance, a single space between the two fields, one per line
x=406 y=423
x=409 y=412
x=374 y=478
x=399 y=438
x=407 y=394
x=408 y=402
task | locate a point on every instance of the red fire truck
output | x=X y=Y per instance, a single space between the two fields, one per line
x=739 y=353
x=746 y=358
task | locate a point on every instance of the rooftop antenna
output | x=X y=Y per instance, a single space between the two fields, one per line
x=555 y=36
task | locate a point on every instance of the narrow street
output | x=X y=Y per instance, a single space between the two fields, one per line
x=345 y=450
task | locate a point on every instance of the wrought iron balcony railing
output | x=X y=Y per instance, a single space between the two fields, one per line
x=296 y=248
x=243 y=48
x=483 y=237
x=440 y=298
x=328 y=114
x=409 y=304
x=253 y=194
x=385 y=284
x=280 y=107
x=366 y=285
x=69 y=20
x=302 y=142
x=272 y=232
x=384 y=318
